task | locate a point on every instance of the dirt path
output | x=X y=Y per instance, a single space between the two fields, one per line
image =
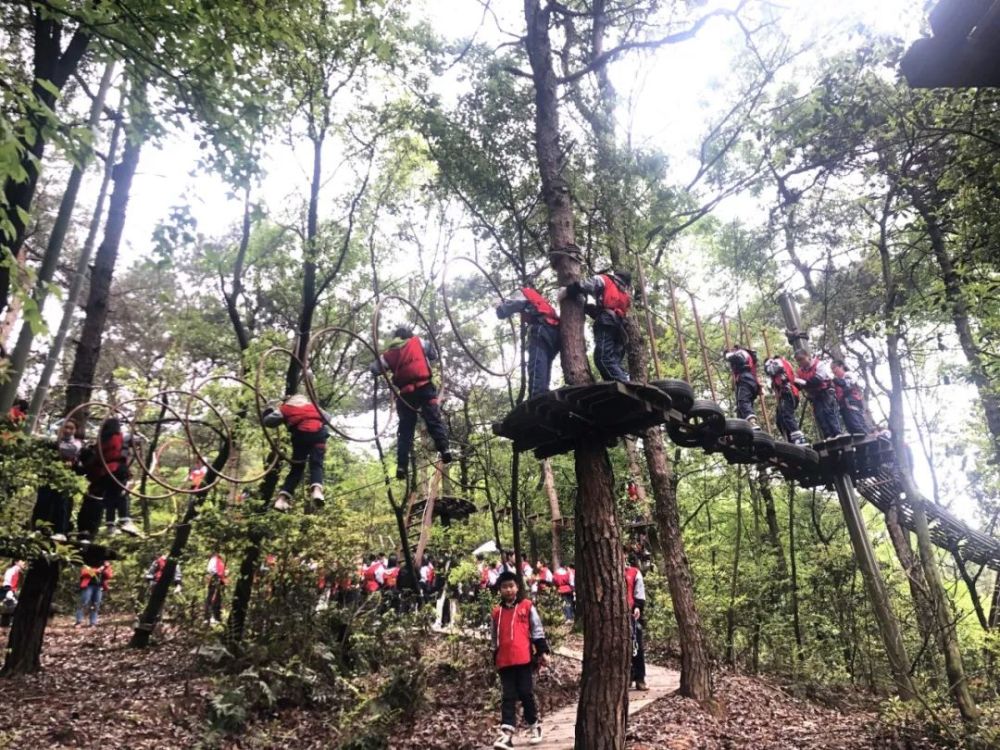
x=560 y=727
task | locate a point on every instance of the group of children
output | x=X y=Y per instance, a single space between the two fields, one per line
x=835 y=393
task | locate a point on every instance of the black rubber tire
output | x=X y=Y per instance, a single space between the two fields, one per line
x=681 y=393
x=740 y=432
x=763 y=445
x=685 y=435
x=796 y=455
x=707 y=418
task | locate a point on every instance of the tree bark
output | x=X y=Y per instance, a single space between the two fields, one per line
x=603 y=706
x=53 y=64
x=24 y=647
x=88 y=348
x=555 y=513
x=919 y=590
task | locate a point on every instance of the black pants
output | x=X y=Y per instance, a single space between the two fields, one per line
x=213 y=599
x=114 y=499
x=422 y=400
x=307 y=447
x=517 y=685
x=609 y=347
x=784 y=415
x=854 y=418
x=53 y=509
x=638 y=651
x=88 y=520
x=747 y=389
x=6 y=617
x=543 y=346
x=825 y=410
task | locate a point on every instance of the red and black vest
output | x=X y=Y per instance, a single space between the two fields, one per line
x=370 y=576
x=410 y=369
x=807 y=373
x=542 y=577
x=513 y=629
x=391 y=577
x=561 y=580
x=614 y=298
x=543 y=310
x=852 y=393
x=631 y=572
x=303 y=417
x=785 y=378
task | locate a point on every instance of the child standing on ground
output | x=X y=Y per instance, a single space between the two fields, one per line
x=516 y=628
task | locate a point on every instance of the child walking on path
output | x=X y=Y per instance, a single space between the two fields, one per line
x=516 y=629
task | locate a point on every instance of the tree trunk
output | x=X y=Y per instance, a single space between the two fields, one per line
x=88 y=348
x=773 y=531
x=603 y=706
x=554 y=513
x=919 y=591
x=24 y=647
x=53 y=249
x=50 y=63
x=793 y=579
x=731 y=609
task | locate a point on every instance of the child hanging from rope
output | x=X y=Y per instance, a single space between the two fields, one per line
x=815 y=379
x=612 y=291
x=850 y=397
x=543 y=334
x=743 y=363
x=408 y=358
x=519 y=646
x=783 y=386
x=305 y=423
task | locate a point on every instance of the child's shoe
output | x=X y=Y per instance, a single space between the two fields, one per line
x=126 y=525
x=283 y=503
x=317 y=495
x=535 y=733
x=401 y=473
x=506 y=738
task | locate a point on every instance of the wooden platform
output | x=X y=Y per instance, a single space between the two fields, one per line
x=555 y=422
x=447 y=507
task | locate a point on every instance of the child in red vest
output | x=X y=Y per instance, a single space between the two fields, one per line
x=518 y=643
x=613 y=295
x=815 y=379
x=743 y=363
x=9 y=590
x=408 y=359
x=850 y=397
x=215 y=574
x=306 y=424
x=783 y=386
x=93 y=584
x=543 y=334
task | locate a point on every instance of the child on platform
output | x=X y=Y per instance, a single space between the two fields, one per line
x=518 y=646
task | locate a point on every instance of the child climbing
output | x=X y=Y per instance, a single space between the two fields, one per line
x=543 y=334
x=518 y=645
x=783 y=386
x=743 y=363
x=94 y=582
x=52 y=507
x=106 y=467
x=850 y=397
x=408 y=358
x=308 y=430
x=612 y=291
x=815 y=379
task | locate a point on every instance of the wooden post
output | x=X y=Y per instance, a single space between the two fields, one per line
x=680 y=333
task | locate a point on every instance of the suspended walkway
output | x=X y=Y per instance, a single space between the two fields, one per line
x=555 y=422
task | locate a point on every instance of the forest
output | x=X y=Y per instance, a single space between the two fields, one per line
x=592 y=374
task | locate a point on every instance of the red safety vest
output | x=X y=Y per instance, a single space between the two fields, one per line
x=111 y=449
x=15 y=579
x=630 y=575
x=749 y=361
x=88 y=574
x=220 y=569
x=561 y=581
x=159 y=565
x=543 y=574
x=304 y=417
x=371 y=582
x=853 y=393
x=391 y=576
x=513 y=629
x=808 y=372
x=786 y=377
x=410 y=369
x=541 y=305
x=614 y=298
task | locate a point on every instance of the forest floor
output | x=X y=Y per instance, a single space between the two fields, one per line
x=96 y=692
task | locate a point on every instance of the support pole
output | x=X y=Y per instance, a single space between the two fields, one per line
x=680 y=333
x=704 y=348
x=797 y=338
x=878 y=595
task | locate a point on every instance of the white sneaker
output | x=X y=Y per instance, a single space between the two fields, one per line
x=535 y=733
x=58 y=537
x=282 y=503
x=112 y=529
x=317 y=495
x=126 y=525
x=506 y=738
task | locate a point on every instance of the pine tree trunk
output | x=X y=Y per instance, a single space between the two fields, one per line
x=88 y=348
x=554 y=513
x=603 y=705
x=24 y=647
